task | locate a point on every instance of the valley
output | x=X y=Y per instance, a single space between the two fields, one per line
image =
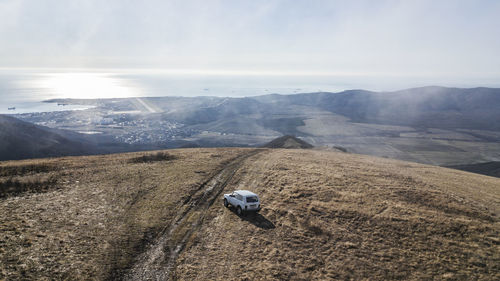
x=430 y=125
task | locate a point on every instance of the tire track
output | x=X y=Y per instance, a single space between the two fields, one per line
x=158 y=261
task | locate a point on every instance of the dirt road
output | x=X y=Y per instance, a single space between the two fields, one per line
x=157 y=262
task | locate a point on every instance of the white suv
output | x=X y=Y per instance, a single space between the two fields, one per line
x=243 y=201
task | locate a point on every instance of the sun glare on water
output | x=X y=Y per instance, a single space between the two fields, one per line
x=86 y=86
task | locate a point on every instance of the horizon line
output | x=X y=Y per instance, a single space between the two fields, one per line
x=239 y=72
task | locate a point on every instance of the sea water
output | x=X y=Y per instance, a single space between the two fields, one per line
x=23 y=91
x=26 y=89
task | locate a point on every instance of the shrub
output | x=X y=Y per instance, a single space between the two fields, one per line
x=12 y=187
x=159 y=156
x=19 y=170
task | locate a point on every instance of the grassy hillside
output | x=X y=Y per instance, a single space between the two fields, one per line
x=326 y=215
x=20 y=140
x=98 y=214
x=342 y=216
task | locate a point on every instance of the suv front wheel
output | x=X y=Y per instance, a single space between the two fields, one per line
x=239 y=211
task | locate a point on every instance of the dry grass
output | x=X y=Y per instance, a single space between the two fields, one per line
x=99 y=214
x=326 y=215
x=333 y=215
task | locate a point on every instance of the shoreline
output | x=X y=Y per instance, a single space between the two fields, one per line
x=39 y=107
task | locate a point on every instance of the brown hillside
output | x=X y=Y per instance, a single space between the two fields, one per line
x=100 y=212
x=337 y=216
x=326 y=215
x=287 y=142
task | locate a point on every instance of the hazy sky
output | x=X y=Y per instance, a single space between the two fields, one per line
x=451 y=38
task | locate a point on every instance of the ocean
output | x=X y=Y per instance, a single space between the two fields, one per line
x=24 y=90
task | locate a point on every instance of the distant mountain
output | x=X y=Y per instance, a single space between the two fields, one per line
x=217 y=109
x=425 y=107
x=20 y=140
x=432 y=125
x=288 y=142
x=430 y=107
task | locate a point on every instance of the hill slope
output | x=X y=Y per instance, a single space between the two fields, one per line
x=288 y=142
x=23 y=140
x=326 y=215
x=20 y=140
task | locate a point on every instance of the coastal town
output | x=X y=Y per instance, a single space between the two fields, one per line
x=125 y=127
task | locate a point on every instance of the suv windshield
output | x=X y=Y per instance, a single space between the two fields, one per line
x=252 y=199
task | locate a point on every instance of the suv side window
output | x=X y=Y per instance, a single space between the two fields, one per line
x=239 y=197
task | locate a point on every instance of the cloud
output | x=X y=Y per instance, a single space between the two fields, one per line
x=414 y=37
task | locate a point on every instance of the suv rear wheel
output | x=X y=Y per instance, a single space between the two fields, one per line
x=226 y=204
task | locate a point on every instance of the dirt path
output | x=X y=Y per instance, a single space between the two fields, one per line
x=157 y=262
